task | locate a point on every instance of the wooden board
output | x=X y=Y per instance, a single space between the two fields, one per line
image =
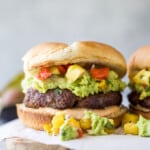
x=25 y=144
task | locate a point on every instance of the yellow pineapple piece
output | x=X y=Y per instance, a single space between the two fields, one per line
x=74 y=72
x=128 y=117
x=73 y=122
x=130 y=128
x=55 y=130
x=142 y=77
x=85 y=123
x=102 y=84
x=54 y=70
x=47 y=127
x=57 y=121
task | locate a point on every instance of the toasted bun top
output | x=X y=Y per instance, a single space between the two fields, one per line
x=42 y=55
x=49 y=54
x=140 y=59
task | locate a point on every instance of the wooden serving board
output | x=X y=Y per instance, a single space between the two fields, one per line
x=25 y=144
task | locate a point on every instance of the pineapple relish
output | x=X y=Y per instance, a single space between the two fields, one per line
x=141 y=83
x=80 y=81
x=68 y=128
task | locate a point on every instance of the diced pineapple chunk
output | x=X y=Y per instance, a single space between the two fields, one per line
x=142 y=77
x=73 y=122
x=130 y=118
x=74 y=72
x=47 y=128
x=85 y=123
x=54 y=70
x=55 y=131
x=102 y=84
x=57 y=121
x=130 y=128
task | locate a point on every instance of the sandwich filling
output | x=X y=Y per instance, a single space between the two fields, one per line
x=140 y=84
x=72 y=85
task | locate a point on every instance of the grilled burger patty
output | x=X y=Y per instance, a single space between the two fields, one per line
x=134 y=100
x=61 y=99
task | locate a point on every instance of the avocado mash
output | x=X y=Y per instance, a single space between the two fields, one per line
x=141 y=83
x=68 y=132
x=143 y=126
x=98 y=124
x=82 y=87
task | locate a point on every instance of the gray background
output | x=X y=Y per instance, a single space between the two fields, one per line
x=124 y=24
x=23 y=24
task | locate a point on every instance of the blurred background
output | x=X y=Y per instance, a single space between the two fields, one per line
x=23 y=24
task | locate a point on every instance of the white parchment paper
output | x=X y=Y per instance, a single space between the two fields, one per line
x=124 y=142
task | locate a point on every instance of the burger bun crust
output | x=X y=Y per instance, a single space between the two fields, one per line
x=139 y=60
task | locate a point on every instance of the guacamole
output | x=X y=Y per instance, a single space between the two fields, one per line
x=99 y=125
x=82 y=87
x=141 y=83
x=144 y=126
x=68 y=132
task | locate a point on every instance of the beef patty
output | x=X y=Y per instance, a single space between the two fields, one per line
x=134 y=100
x=62 y=99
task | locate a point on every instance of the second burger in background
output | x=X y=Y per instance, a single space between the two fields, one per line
x=72 y=79
x=139 y=97
x=139 y=75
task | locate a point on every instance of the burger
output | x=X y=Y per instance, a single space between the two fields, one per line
x=139 y=75
x=85 y=75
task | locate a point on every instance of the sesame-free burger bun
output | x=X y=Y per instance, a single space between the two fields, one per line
x=49 y=54
x=42 y=55
x=140 y=59
x=36 y=118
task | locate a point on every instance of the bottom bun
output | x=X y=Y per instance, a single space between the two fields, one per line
x=36 y=118
x=140 y=111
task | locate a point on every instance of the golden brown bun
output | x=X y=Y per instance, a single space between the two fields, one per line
x=140 y=59
x=36 y=118
x=43 y=54
x=50 y=54
x=140 y=111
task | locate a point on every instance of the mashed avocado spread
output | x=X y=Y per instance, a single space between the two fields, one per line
x=99 y=125
x=82 y=87
x=143 y=126
x=141 y=83
x=68 y=132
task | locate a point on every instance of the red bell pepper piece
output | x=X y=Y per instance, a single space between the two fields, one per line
x=63 y=68
x=44 y=74
x=80 y=133
x=100 y=73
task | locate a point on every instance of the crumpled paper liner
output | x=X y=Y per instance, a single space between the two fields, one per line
x=16 y=129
